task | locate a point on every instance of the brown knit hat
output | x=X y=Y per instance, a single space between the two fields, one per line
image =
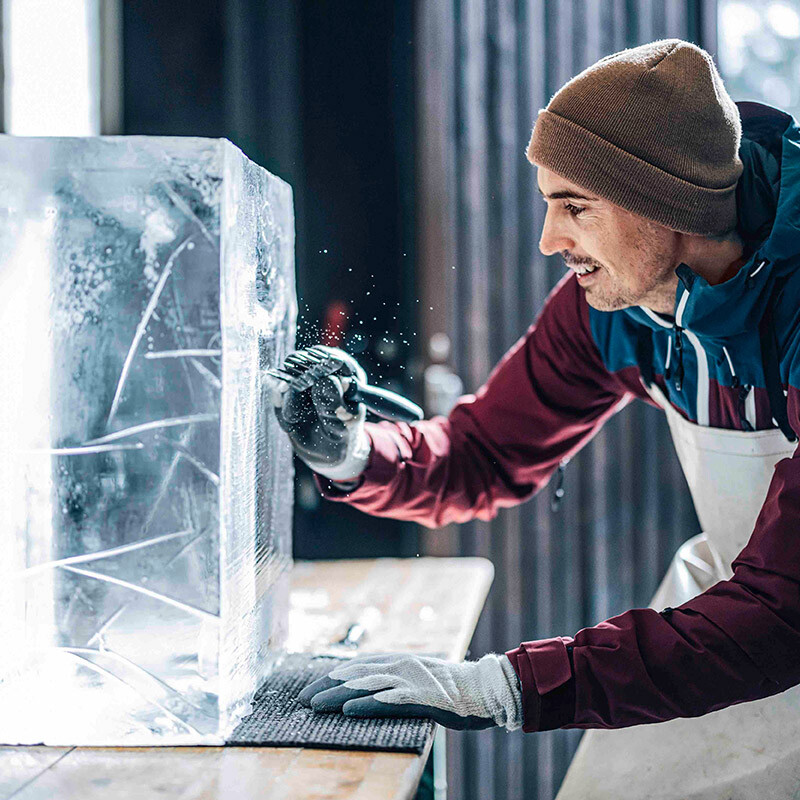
x=651 y=129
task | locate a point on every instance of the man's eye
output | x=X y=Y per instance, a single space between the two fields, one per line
x=574 y=210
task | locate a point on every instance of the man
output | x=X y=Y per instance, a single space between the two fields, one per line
x=678 y=214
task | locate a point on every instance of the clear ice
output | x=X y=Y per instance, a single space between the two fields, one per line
x=145 y=530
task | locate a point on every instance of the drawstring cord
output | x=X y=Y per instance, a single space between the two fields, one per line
x=558 y=489
x=677 y=373
x=749 y=282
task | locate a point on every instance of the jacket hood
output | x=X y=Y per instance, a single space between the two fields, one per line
x=768 y=219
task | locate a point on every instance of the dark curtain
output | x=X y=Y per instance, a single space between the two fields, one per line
x=320 y=92
x=484 y=69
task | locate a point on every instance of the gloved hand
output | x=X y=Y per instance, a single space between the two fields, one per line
x=324 y=434
x=469 y=695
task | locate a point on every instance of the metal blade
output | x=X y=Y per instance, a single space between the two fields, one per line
x=298 y=361
x=305 y=357
x=281 y=376
x=319 y=352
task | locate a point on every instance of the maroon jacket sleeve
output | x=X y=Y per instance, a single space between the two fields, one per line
x=738 y=641
x=545 y=399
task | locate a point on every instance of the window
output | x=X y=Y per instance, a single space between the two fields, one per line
x=51 y=67
x=759 y=51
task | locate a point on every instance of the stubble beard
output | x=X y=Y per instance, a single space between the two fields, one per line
x=657 y=294
x=608 y=299
x=656 y=289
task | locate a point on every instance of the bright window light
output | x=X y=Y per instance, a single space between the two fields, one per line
x=784 y=20
x=758 y=52
x=50 y=85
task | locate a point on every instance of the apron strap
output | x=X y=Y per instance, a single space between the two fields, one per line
x=771 y=362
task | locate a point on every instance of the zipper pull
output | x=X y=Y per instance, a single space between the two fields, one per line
x=679 y=376
x=744 y=390
x=678 y=359
x=558 y=489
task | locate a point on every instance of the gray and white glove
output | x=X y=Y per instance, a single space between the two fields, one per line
x=328 y=436
x=470 y=695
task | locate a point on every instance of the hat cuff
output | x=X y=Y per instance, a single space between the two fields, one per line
x=583 y=157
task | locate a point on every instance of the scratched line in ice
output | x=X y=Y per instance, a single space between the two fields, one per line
x=155 y=425
x=84 y=451
x=142 y=326
x=98 y=634
x=166 y=481
x=182 y=353
x=98 y=554
x=181 y=204
x=195 y=462
x=146 y=685
x=206 y=373
x=189 y=609
x=179 y=333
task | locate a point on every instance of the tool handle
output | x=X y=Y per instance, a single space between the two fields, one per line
x=383 y=402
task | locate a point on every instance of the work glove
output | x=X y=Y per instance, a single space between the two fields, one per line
x=470 y=695
x=326 y=435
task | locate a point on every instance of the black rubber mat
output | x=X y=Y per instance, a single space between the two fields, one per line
x=278 y=719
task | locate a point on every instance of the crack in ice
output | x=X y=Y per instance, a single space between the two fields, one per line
x=165 y=483
x=206 y=373
x=182 y=353
x=84 y=451
x=169 y=422
x=198 y=465
x=183 y=206
x=142 y=326
x=180 y=338
x=183 y=452
x=98 y=634
x=189 y=609
x=98 y=554
x=195 y=718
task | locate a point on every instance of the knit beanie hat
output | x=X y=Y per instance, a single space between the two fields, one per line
x=651 y=129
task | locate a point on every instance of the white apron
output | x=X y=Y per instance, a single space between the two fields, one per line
x=747 y=751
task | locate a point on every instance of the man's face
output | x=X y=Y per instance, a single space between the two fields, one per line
x=635 y=259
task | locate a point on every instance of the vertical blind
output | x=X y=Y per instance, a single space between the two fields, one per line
x=484 y=68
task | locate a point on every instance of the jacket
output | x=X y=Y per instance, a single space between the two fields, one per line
x=729 y=357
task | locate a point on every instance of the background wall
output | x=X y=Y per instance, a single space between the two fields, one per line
x=320 y=93
x=484 y=69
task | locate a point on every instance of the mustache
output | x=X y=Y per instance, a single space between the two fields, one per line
x=577 y=262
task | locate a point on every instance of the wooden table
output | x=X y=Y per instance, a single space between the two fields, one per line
x=423 y=605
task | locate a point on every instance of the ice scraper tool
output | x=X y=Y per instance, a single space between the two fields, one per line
x=302 y=368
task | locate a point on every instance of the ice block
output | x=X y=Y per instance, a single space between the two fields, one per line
x=146 y=284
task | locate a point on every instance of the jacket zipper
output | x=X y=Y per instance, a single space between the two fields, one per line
x=744 y=391
x=677 y=373
x=741 y=395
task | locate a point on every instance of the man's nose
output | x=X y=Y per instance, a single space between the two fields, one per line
x=553 y=239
